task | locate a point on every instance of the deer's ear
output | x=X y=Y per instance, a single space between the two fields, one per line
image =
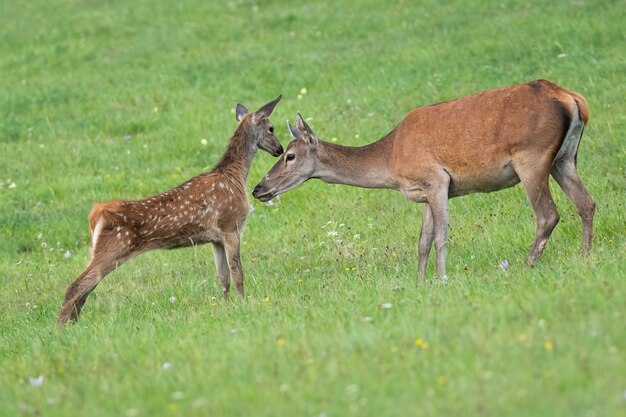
x=266 y=109
x=294 y=132
x=305 y=130
x=240 y=111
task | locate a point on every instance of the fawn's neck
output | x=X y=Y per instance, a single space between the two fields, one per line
x=238 y=156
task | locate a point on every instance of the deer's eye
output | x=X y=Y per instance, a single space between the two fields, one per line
x=271 y=129
x=290 y=157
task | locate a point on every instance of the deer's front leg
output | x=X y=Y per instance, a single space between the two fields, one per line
x=221 y=264
x=231 y=245
x=438 y=202
x=427 y=234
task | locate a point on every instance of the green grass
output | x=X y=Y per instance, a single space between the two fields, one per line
x=313 y=336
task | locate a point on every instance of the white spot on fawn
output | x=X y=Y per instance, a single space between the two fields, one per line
x=96 y=234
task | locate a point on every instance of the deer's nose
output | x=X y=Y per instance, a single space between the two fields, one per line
x=256 y=190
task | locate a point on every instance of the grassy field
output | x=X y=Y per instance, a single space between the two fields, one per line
x=103 y=100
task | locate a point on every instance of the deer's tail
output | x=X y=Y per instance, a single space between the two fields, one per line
x=578 y=119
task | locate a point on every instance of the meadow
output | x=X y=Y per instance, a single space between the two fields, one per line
x=125 y=99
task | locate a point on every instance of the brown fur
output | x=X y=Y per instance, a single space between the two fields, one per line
x=209 y=208
x=480 y=143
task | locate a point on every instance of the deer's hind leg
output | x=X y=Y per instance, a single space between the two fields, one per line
x=534 y=179
x=109 y=252
x=564 y=172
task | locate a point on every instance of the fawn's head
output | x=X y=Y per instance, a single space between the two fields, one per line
x=295 y=166
x=259 y=128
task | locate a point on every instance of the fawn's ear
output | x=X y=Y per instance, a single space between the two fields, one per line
x=240 y=111
x=305 y=130
x=266 y=109
x=294 y=132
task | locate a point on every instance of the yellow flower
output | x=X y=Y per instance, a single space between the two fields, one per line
x=300 y=281
x=266 y=298
x=310 y=361
x=549 y=346
x=441 y=380
x=418 y=342
x=522 y=337
x=333 y=139
x=281 y=341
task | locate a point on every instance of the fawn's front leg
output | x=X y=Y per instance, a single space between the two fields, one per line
x=223 y=271
x=231 y=245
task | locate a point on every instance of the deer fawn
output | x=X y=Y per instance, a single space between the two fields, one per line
x=211 y=207
x=480 y=143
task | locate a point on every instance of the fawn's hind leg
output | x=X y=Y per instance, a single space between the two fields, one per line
x=107 y=256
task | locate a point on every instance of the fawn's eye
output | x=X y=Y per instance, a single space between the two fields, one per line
x=290 y=157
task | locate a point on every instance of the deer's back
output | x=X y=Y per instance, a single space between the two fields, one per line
x=478 y=139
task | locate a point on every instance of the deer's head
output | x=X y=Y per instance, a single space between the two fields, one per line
x=259 y=128
x=296 y=165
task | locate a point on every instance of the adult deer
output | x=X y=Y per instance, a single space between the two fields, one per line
x=480 y=143
x=211 y=207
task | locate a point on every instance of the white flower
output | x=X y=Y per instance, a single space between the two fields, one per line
x=67 y=254
x=12 y=185
x=387 y=306
x=333 y=233
x=167 y=365
x=36 y=381
x=199 y=402
x=203 y=142
x=172 y=299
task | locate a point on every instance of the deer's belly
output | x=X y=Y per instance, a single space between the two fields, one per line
x=487 y=180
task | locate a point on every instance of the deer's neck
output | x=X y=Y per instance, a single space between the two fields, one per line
x=238 y=156
x=365 y=166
